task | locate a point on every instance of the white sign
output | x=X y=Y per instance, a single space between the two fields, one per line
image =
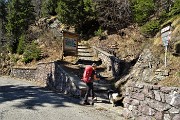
x=165 y=29
x=165 y=35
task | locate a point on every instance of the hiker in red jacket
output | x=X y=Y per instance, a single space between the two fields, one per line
x=89 y=76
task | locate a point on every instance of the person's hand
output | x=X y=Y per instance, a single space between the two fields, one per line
x=99 y=76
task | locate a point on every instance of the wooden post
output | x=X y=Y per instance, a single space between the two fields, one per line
x=62 y=46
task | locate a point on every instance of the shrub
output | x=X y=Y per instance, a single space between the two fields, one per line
x=150 y=28
x=175 y=9
x=163 y=16
x=32 y=52
x=21 y=45
x=14 y=58
x=99 y=32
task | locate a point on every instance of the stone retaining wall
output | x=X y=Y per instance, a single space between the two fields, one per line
x=20 y=73
x=51 y=75
x=111 y=63
x=151 y=102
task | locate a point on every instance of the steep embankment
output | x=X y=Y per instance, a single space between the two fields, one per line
x=144 y=57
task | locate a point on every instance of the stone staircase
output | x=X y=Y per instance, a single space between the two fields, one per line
x=85 y=53
x=85 y=57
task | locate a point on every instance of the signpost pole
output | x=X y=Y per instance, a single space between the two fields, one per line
x=62 y=46
x=165 y=60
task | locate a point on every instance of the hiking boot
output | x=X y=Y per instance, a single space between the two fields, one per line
x=94 y=99
x=86 y=103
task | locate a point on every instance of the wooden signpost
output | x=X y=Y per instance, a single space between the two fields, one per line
x=70 y=43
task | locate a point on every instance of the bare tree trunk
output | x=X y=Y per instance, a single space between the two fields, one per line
x=114 y=14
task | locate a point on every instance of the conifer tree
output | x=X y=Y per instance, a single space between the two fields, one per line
x=142 y=10
x=20 y=15
x=49 y=7
x=77 y=13
x=3 y=14
x=175 y=10
x=37 y=7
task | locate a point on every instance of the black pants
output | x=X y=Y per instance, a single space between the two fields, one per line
x=89 y=91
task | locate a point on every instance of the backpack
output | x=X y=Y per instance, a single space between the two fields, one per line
x=87 y=74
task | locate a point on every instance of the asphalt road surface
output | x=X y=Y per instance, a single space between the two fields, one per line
x=23 y=100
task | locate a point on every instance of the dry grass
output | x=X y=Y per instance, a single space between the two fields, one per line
x=171 y=81
x=70 y=59
x=51 y=50
x=130 y=46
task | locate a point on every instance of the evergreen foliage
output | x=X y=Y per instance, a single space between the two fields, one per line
x=163 y=16
x=20 y=15
x=99 y=32
x=86 y=16
x=3 y=13
x=142 y=10
x=49 y=7
x=31 y=52
x=21 y=45
x=175 y=10
x=37 y=7
x=77 y=13
x=150 y=28
x=3 y=10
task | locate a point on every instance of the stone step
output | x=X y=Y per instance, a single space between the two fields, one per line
x=83 y=47
x=85 y=55
x=86 y=58
x=85 y=50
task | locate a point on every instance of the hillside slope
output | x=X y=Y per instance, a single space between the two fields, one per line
x=144 y=57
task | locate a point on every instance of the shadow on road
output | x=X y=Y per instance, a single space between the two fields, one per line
x=32 y=96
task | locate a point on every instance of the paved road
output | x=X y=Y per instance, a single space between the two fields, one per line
x=23 y=100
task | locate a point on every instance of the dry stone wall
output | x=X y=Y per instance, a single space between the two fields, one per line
x=111 y=63
x=151 y=102
x=24 y=73
x=147 y=69
x=50 y=75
